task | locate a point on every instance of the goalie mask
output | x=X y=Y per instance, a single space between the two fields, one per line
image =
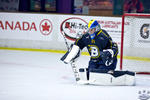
x=93 y=27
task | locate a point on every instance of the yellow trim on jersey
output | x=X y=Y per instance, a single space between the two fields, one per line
x=110 y=43
x=76 y=41
x=116 y=54
x=99 y=32
x=105 y=34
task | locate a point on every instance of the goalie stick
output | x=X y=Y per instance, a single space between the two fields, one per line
x=73 y=65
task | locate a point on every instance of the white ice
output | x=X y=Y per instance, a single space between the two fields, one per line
x=26 y=75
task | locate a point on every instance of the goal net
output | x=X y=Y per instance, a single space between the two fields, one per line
x=135 y=43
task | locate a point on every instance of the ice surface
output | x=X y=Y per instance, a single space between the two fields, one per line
x=28 y=75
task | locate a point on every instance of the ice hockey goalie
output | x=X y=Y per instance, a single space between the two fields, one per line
x=103 y=61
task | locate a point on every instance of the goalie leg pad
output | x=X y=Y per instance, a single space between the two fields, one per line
x=83 y=73
x=124 y=78
x=83 y=76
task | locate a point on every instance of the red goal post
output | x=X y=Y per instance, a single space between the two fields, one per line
x=135 y=43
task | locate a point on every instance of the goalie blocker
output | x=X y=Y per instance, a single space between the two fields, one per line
x=72 y=54
x=99 y=77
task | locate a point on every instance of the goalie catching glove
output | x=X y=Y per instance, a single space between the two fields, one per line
x=72 y=54
x=107 y=56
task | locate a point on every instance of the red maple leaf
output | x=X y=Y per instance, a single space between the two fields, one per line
x=45 y=27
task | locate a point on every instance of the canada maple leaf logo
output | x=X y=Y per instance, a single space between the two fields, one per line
x=46 y=27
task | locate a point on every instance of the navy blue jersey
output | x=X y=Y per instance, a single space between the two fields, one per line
x=95 y=46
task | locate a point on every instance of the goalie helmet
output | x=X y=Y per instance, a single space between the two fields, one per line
x=94 y=24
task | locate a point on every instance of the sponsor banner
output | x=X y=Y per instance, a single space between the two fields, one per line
x=72 y=25
x=142 y=29
x=113 y=26
x=49 y=27
x=26 y=26
x=137 y=33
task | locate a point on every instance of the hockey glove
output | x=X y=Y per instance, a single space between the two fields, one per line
x=107 y=56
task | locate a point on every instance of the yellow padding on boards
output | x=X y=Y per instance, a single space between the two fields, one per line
x=137 y=58
x=37 y=50
x=63 y=51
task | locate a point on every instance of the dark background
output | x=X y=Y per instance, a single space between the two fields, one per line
x=95 y=7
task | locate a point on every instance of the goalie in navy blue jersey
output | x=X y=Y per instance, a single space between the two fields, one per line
x=102 y=49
